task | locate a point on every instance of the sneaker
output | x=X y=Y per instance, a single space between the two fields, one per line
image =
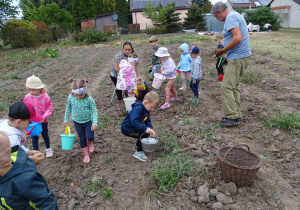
x=240 y=119
x=182 y=88
x=229 y=122
x=192 y=99
x=140 y=155
x=121 y=101
x=49 y=153
x=134 y=147
x=174 y=99
x=196 y=100
x=166 y=105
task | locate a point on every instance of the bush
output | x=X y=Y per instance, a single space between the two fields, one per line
x=78 y=36
x=157 y=30
x=263 y=15
x=93 y=36
x=20 y=33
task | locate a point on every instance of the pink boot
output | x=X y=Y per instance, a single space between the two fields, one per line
x=90 y=146
x=86 y=155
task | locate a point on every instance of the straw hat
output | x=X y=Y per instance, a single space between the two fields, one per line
x=162 y=52
x=34 y=83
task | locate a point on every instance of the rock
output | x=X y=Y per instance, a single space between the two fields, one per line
x=194 y=199
x=192 y=193
x=276 y=133
x=78 y=192
x=213 y=192
x=204 y=147
x=203 y=193
x=216 y=137
x=110 y=182
x=197 y=153
x=288 y=157
x=217 y=205
x=71 y=204
x=225 y=199
x=296 y=174
x=172 y=208
x=193 y=146
x=92 y=194
x=229 y=187
x=281 y=160
x=200 y=162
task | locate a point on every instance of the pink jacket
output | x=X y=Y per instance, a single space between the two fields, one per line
x=42 y=104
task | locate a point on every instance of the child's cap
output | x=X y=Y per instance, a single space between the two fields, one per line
x=34 y=82
x=162 y=52
x=195 y=50
x=5 y=150
x=24 y=111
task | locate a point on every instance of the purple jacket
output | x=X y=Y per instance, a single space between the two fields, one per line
x=42 y=104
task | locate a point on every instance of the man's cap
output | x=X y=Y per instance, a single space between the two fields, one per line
x=24 y=111
x=194 y=50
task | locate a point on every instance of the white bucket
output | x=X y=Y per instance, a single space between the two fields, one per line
x=128 y=102
x=157 y=81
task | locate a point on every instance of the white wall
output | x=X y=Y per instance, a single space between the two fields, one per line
x=289 y=16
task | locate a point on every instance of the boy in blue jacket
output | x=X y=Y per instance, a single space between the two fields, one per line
x=21 y=186
x=196 y=73
x=137 y=122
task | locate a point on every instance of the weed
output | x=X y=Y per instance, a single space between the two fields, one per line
x=169 y=170
x=168 y=143
x=284 y=121
x=193 y=105
x=252 y=77
x=103 y=121
x=64 y=44
x=118 y=121
x=186 y=121
x=48 y=52
x=265 y=155
x=94 y=186
x=107 y=194
x=3 y=106
x=209 y=131
x=108 y=160
x=14 y=76
x=212 y=73
x=202 y=84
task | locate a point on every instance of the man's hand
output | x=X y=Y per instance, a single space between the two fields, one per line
x=219 y=52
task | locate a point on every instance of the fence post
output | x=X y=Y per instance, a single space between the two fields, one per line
x=21 y=36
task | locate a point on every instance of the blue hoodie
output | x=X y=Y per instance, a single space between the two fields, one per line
x=185 y=60
x=22 y=187
x=138 y=119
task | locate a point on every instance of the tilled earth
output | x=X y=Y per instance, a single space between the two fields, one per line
x=276 y=185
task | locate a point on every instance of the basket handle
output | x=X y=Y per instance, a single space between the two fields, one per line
x=68 y=131
x=234 y=147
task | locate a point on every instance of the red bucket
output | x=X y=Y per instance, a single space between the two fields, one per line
x=221 y=76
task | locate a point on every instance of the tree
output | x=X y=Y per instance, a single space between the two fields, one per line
x=6 y=10
x=51 y=14
x=206 y=7
x=122 y=8
x=83 y=9
x=151 y=13
x=263 y=15
x=99 y=7
x=194 y=19
x=200 y=3
x=109 y=6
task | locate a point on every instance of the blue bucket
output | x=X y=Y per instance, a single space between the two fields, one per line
x=34 y=129
x=67 y=140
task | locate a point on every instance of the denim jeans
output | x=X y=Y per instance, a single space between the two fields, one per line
x=195 y=88
x=84 y=132
x=35 y=139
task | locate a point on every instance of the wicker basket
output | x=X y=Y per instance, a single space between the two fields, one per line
x=238 y=165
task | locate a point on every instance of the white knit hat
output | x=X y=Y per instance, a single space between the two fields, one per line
x=34 y=82
x=162 y=52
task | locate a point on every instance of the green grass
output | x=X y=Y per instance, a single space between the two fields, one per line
x=169 y=170
x=107 y=194
x=3 y=106
x=186 y=121
x=168 y=143
x=252 y=77
x=103 y=122
x=283 y=121
x=208 y=131
x=94 y=186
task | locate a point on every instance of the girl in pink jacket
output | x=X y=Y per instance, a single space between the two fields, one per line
x=127 y=75
x=42 y=103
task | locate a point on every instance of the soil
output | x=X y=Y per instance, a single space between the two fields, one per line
x=276 y=185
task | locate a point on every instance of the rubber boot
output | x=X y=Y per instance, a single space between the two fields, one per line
x=90 y=146
x=86 y=155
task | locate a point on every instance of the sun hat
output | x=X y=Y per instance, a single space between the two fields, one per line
x=162 y=52
x=24 y=111
x=34 y=82
x=5 y=150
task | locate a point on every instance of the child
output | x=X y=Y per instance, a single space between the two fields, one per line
x=42 y=103
x=127 y=75
x=184 y=65
x=169 y=71
x=221 y=58
x=20 y=115
x=84 y=116
x=156 y=64
x=141 y=89
x=196 y=72
x=137 y=122
x=21 y=186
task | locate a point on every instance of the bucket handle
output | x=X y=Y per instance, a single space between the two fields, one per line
x=29 y=132
x=141 y=136
x=68 y=131
x=234 y=147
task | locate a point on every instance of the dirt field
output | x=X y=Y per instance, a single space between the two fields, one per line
x=272 y=85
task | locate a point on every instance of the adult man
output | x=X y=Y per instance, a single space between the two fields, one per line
x=237 y=48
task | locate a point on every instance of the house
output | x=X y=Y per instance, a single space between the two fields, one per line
x=138 y=6
x=99 y=22
x=289 y=12
x=246 y=4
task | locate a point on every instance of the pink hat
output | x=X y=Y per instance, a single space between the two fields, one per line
x=24 y=111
